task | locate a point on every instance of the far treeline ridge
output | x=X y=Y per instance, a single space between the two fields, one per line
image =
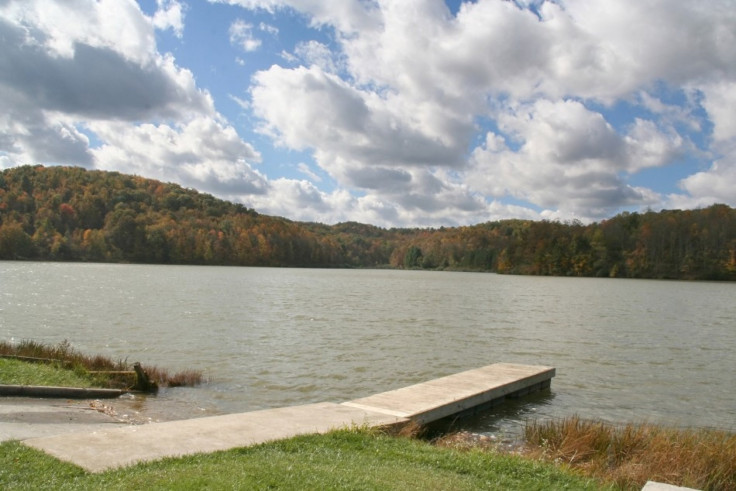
x=73 y=214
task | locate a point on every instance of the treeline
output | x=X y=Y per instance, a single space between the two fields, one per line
x=690 y=244
x=71 y=214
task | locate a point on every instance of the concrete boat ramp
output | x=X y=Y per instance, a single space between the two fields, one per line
x=423 y=403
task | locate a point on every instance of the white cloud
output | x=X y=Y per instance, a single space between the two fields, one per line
x=169 y=15
x=564 y=132
x=302 y=200
x=272 y=30
x=241 y=34
x=365 y=142
x=568 y=159
x=417 y=78
x=715 y=185
x=94 y=72
x=56 y=27
x=720 y=101
x=348 y=16
x=307 y=171
x=306 y=108
x=650 y=147
x=680 y=42
x=673 y=115
x=30 y=137
x=203 y=153
x=91 y=70
x=315 y=53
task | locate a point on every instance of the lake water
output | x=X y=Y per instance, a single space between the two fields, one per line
x=624 y=350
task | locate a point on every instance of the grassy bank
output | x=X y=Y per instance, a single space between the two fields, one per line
x=16 y=372
x=569 y=454
x=340 y=460
x=62 y=362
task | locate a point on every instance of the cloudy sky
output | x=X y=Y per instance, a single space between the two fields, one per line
x=390 y=112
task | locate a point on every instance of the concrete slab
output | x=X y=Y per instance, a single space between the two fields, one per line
x=442 y=397
x=423 y=403
x=22 y=418
x=102 y=450
x=658 y=486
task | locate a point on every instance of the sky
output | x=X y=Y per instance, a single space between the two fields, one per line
x=396 y=113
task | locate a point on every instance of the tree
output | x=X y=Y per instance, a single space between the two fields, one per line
x=412 y=257
x=15 y=243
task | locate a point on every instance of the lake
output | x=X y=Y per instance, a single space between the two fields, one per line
x=624 y=350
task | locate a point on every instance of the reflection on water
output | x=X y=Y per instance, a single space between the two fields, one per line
x=624 y=350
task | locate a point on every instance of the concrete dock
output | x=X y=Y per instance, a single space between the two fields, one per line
x=454 y=394
x=98 y=451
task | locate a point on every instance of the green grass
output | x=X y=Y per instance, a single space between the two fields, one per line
x=15 y=372
x=347 y=459
x=63 y=354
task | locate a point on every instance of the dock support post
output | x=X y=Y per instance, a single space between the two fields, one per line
x=142 y=382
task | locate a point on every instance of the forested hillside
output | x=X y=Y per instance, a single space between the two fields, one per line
x=72 y=214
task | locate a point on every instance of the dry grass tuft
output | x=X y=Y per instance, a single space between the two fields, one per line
x=184 y=378
x=631 y=455
x=409 y=429
x=465 y=440
x=68 y=357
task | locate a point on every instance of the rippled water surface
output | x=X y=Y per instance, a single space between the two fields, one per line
x=625 y=350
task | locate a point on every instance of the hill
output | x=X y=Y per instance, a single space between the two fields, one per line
x=73 y=214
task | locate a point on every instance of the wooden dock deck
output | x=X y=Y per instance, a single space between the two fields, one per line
x=425 y=402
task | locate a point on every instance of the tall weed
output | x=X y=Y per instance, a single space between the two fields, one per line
x=632 y=454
